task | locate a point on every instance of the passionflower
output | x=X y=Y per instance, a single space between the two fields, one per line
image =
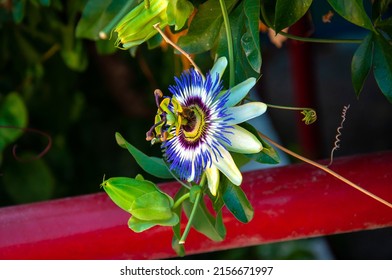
x=198 y=126
x=137 y=26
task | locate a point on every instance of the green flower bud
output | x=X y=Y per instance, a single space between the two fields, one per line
x=137 y=26
x=143 y=200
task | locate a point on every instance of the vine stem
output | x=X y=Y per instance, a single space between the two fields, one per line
x=181 y=200
x=229 y=42
x=156 y=26
x=327 y=170
x=320 y=40
x=191 y=216
x=193 y=212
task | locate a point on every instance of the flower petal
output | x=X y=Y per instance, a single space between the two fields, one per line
x=219 y=67
x=242 y=141
x=226 y=165
x=238 y=92
x=212 y=174
x=246 y=112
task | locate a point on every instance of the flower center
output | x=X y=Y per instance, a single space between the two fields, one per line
x=195 y=123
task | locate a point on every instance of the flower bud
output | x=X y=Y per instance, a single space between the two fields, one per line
x=141 y=198
x=137 y=26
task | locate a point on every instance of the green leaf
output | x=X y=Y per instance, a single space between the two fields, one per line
x=178 y=11
x=28 y=182
x=98 y=14
x=204 y=222
x=250 y=41
x=361 y=63
x=236 y=201
x=382 y=65
x=287 y=12
x=267 y=8
x=152 y=165
x=18 y=10
x=13 y=113
x=268 y=154
x=204 y=28
x=75 y=57
x=353 y=11
x=141 y=225
x=45 y=3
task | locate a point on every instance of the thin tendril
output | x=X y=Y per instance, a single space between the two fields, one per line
x=310 y=115
x=27 y=129
x=327 y=170
x=336 y=144
x=156 y=26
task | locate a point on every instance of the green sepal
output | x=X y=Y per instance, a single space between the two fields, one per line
x=152 y=165
x=140 y=225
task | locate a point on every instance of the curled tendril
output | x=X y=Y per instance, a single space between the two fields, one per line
x=27 y=129
x=310 y=116
x=336 y=144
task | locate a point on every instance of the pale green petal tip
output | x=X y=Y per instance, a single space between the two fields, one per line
x=228 y=167
x=238 y=92
x=246 y=112
x=219 y=67
x=244 y=142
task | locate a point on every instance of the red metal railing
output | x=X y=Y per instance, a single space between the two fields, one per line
x=290 y=202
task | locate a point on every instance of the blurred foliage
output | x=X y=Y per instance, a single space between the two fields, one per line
x=62 y=85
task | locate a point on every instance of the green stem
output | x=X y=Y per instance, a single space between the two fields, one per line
x=194 y=209
x=307 y=39
x=229 y=42
x=191 y=216
x=320 y=40
x=181 y=200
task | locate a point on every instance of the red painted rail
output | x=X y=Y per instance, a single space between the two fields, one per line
x=290 y=202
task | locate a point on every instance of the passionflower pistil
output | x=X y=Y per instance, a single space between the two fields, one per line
x=198 y=126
